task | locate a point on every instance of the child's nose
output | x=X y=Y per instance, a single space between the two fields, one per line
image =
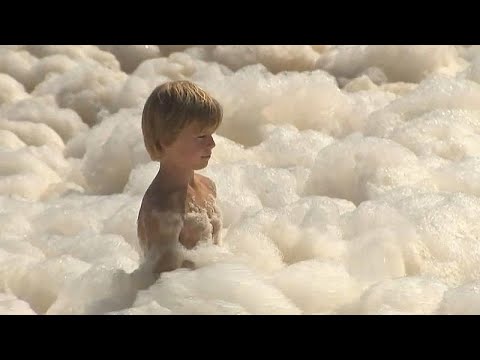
x=211 y=142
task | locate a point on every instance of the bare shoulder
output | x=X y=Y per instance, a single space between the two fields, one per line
x=208 y=183
x=159 y=217
x=160 y=201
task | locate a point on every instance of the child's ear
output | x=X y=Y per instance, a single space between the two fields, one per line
x=159 y=147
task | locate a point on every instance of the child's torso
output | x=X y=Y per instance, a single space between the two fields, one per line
x=201 y=221
x=199 y=218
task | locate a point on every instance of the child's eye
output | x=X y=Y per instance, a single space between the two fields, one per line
x=201 y=136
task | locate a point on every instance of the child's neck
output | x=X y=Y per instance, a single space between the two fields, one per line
x=174 y=176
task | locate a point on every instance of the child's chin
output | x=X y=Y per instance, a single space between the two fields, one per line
x=201 y=166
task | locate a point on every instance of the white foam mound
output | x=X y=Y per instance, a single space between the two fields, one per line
x=403 y=296
x=10 y=305
x=347 y=176
x=44 y=110
x=461 y=300
x=48 y=67
x=130 y=56
x=177 y=66
x=33 y=134
x=409 y=63
x=18 y=64
x=77 y=53
x=148 y=309
x=25 y=174
x=11 y=90
x=41 y=282
x=360 y=168
x=230 y=289
x=276 y=58
x=89 y=89
x=317 y=287
x=98 y=290
x=10 y=141
x=112 y=149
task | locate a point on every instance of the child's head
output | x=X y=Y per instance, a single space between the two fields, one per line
x=173 y=106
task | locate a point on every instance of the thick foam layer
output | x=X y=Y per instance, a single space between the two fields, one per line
x=347 y=177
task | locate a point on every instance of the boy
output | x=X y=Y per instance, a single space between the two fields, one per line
x=178 y=209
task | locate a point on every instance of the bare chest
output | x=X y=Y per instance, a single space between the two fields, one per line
x=201 y=221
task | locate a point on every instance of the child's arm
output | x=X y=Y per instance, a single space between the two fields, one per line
x=162 y=246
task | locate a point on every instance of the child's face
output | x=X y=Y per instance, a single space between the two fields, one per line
x=192 y=148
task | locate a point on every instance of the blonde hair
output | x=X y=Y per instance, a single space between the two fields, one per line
x=171 y=107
